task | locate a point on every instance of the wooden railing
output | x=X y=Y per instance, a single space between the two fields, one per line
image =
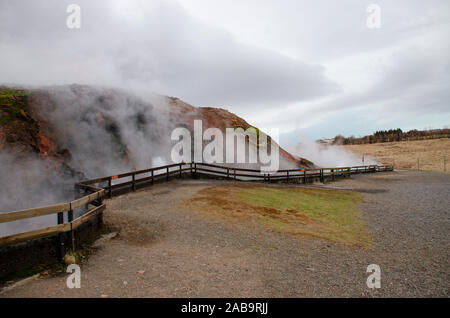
x=100 y=187
x=95 y=198
x=112 y=183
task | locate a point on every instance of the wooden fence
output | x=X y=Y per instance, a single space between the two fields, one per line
x=134 y=179
x=101 y=187
x=95 y=199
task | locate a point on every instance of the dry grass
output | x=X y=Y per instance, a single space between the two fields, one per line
x=404 y=154
x=333 y=215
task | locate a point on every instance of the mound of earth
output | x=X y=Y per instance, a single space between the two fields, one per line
x=91 y=131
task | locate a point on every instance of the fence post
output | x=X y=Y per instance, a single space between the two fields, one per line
x=167 y=174
x=180 y=170
x=287 y=175
x=332 y=174
x=133 y=178
x=321 y=175
x=60 y=248
x=153 y=178
x=304 y=176
x=99 y=202
x=72 y=233
x=234 y=173
x=110 y=186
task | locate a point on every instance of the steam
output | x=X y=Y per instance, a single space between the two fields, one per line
x=106 y=131
x=27 y=182
x=329 y=155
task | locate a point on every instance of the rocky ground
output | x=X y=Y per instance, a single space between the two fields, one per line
x=163 y=250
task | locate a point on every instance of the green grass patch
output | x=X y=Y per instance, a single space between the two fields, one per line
x=10 y=104
x=329 y=214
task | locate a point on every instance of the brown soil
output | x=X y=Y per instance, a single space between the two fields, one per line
x=221 y=203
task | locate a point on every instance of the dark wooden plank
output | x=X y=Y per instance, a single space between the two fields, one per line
x=85 y=217
x=30 y=235
x=31 y=213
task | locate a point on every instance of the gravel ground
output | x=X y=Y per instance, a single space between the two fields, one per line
x=162 y=250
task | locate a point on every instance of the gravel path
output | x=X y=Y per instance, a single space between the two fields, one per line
x=164 y=251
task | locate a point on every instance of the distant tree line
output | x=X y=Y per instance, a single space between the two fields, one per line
x=393 y=135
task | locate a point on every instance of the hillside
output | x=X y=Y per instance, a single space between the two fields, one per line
x=57 y=135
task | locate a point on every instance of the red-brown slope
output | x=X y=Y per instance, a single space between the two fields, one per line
x=185 y=114
x=23 y=128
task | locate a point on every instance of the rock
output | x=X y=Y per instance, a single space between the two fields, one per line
x=44 y=273
x=69 y=259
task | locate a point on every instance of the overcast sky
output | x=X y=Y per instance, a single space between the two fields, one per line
x=309 y=68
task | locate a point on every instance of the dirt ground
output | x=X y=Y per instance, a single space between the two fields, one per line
x=430 y=153
x=164 y=250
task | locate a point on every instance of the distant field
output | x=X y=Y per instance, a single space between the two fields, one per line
x=431 y=153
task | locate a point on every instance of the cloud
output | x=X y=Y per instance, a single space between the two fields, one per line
x=154 y=45
x=411 y=83
x=396 y=75
x=320 y=30
x=285 y=64
x=414 y=75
